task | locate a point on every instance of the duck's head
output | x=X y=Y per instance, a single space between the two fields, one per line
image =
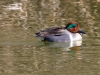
x=73 y=27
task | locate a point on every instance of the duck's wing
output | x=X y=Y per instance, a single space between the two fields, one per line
x=50 y=31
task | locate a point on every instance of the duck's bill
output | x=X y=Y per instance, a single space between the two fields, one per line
x=80 y=31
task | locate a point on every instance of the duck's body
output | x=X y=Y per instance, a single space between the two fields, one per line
x=61 y=34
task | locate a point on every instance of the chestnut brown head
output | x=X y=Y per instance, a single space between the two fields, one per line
x=72 y=27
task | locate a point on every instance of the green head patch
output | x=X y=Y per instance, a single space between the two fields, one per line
x=70 y=26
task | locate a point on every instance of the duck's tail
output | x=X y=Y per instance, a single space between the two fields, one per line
x=39 y=36
x=36 y=34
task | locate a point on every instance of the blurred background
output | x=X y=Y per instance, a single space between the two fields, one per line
x=21 y=53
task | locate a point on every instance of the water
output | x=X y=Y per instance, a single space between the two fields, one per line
x=23 y=54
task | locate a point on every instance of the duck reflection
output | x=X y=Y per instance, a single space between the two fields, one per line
x=66 y=45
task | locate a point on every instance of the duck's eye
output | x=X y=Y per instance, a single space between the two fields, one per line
x=71 y=26
x=74 y=26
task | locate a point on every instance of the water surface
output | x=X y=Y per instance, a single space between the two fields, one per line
x=23 y=54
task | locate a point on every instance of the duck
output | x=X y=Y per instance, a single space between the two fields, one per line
x=70 y=32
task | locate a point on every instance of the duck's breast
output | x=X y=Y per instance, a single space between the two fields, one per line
x=76 y=37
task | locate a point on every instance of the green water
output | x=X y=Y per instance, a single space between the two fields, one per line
x=21 y=53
